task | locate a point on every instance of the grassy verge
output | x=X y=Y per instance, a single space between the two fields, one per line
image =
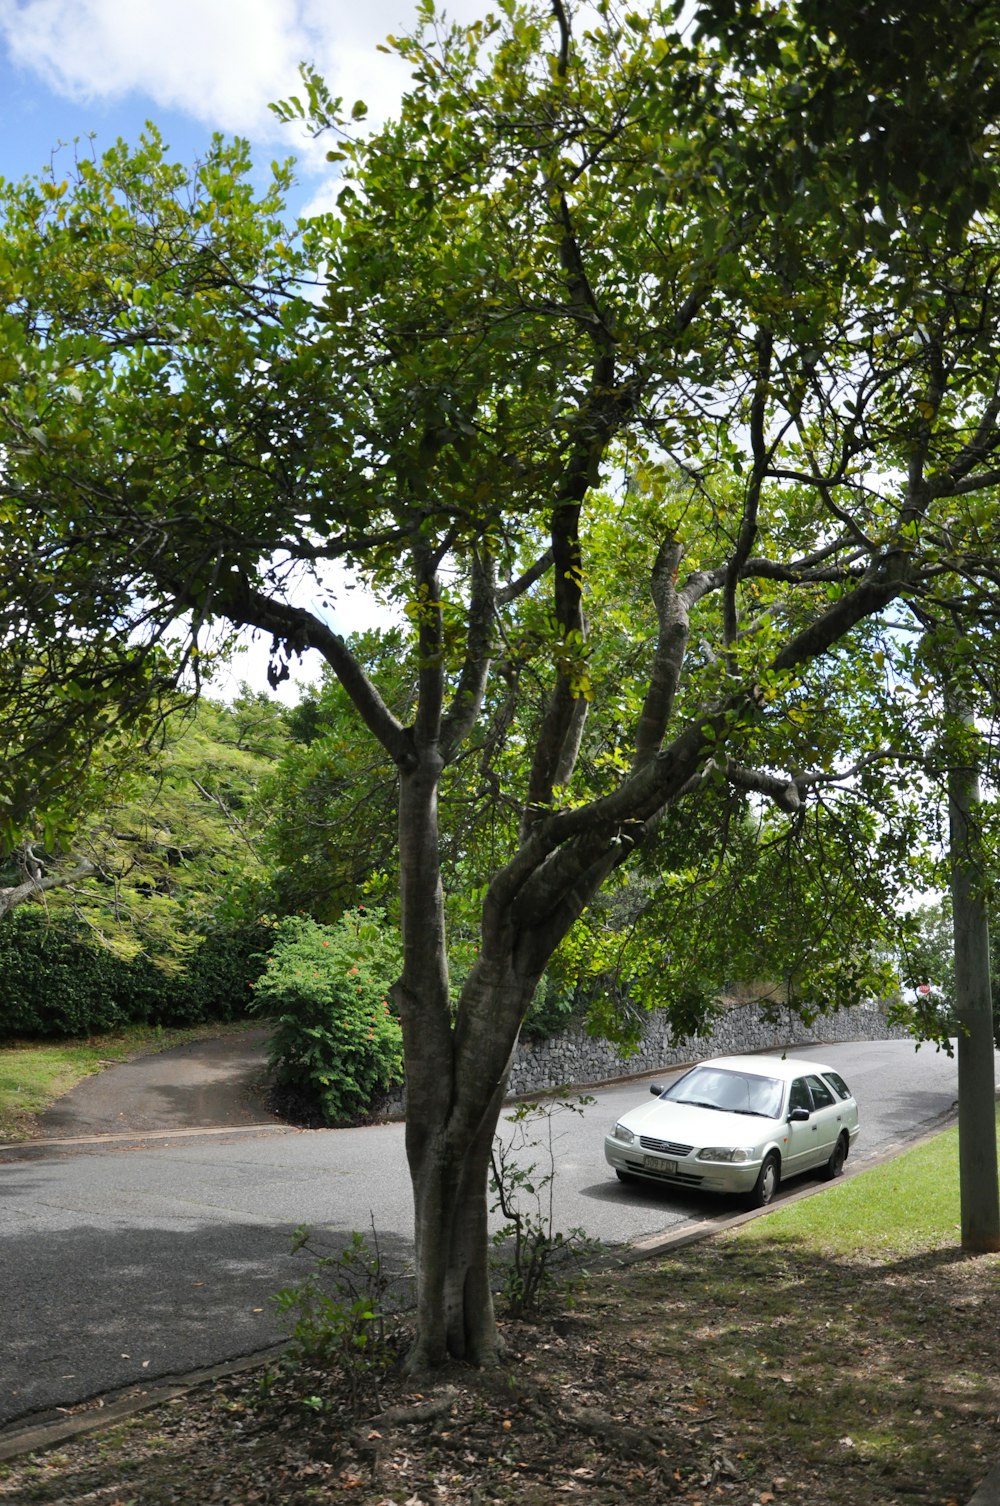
x=908 y=1203
x=840 y=1348
x=33 y=1074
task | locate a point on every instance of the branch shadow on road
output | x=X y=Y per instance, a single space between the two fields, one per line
x=91 y=1310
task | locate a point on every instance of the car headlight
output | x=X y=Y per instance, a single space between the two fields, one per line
x=621 y=1133
x=723 y=1153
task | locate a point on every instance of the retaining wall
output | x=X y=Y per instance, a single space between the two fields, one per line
x=577 y=1059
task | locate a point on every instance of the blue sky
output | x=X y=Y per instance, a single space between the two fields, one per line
x=69 y=68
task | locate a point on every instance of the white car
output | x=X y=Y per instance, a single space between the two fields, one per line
x=738 y=1124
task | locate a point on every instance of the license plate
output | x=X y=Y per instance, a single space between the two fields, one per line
x=656 y=1163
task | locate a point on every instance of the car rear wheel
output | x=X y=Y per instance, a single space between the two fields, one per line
x=838 y=1156
x=766 y=1184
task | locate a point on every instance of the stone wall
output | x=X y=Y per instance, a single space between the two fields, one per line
x=577 y=1060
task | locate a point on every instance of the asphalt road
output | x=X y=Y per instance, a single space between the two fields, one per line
x=128 y=1262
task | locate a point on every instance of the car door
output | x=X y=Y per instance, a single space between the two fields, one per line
x=827 y=1119
x=800 y=1134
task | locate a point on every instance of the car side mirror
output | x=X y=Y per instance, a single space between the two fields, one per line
x=656 y=1089
x=798 y=1116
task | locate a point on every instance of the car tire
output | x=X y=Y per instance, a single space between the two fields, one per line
x=767 y=1181
x=625 y=1176
x=838 y=1156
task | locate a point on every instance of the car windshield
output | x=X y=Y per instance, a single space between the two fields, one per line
x=732 y=1092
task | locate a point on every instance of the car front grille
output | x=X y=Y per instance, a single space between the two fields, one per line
x=665 y=1147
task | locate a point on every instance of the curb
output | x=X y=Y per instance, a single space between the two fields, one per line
x=988 y=1493
x=25 y=1149
x=100 y=1411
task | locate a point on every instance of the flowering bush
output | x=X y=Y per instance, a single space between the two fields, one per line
x=336 y=1041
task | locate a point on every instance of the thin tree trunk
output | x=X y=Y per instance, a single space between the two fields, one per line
x=980 y=1197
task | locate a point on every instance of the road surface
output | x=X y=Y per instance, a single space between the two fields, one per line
x=127 y=1262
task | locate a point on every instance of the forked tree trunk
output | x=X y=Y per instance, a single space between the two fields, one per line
x=456 y=1075
x=455 y=1318
x=450 y=1130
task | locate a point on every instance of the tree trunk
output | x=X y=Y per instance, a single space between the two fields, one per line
x=980 y=1200
x=455 y=1317
x=456 y=1076
x=450 y=1131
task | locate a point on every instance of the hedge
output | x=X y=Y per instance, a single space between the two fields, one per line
x=57 y=981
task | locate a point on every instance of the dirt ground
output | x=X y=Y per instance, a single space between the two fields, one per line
x=731 y=1371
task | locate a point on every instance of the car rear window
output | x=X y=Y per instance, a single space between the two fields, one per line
x=822 y=1097
x=838 y=1084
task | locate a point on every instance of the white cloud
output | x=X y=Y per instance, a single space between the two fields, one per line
x=219 y=61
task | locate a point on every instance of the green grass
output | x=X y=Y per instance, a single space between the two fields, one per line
x=908 y=1203
x=33 y=1074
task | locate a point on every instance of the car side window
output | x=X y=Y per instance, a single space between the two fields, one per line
x=822 y=1096
x=798 y=1097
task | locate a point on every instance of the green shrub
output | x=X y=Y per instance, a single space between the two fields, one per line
x=536 y=1262
x=56 y=981
x=341 y=1320
x=336 y=1041
x=218 y=980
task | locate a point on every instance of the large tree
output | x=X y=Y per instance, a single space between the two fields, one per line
x=560 y=266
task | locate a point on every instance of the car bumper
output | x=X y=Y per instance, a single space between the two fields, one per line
x=681 y=1171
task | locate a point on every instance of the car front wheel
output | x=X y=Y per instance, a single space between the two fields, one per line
x=766 y=1184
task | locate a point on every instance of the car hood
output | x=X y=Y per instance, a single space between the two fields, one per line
x=686 y=1124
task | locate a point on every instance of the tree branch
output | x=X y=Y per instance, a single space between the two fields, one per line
x=298 y=630
x=468 y=698
x=674 y=628
x=430 y=640
x=751 y=501
x=17 y=894
x=523 y=583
